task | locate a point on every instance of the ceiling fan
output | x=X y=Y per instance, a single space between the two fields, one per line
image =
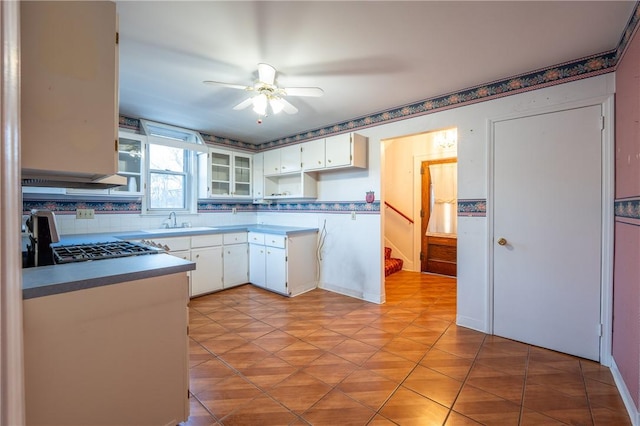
x=267 y=95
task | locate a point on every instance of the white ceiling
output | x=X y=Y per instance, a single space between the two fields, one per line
x=366 y=56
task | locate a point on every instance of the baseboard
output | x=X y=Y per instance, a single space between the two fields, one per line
x=471 y=323
x=634 y=414
x=367 y=297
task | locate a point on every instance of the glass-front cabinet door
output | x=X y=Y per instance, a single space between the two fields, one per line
x=220 y=174
x=242 y=176
x=228 y=174
x=130 y=163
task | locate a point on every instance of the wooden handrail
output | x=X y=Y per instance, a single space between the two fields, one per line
x=399 y=212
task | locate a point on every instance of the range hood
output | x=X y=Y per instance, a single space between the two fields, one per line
x=60 y=180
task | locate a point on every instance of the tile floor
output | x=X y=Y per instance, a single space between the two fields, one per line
x=257 y=358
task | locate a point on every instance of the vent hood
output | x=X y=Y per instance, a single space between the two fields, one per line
x=81 y=181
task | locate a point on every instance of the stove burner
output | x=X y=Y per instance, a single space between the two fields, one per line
x=97 y=251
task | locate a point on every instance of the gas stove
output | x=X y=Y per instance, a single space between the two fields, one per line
x=98 y=251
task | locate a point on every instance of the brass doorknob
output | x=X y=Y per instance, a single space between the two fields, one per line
x=502 y=241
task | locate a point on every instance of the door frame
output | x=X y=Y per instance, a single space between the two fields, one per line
x=607 y=193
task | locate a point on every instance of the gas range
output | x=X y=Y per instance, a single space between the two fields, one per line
x=98 y=251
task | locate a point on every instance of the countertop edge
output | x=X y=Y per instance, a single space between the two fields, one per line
x=186 y=232
x=58 y=279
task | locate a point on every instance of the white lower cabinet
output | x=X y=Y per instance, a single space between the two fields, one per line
x=285 y=264
x=222 y=260
x=258 y=265
x=276 y=271
x=207 y=276
x=236 y=259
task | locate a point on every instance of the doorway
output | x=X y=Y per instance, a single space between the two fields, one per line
x=438 y=249
x=403 y=224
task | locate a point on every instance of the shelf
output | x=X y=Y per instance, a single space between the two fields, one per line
x=298 y=185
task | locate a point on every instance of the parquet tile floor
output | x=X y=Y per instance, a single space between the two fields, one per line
x=257 y=358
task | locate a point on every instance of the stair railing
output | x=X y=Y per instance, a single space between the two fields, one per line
x=399 y=212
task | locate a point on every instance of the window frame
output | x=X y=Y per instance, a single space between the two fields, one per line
x=192 y=144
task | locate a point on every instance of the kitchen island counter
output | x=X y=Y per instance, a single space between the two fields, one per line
x=56 y=279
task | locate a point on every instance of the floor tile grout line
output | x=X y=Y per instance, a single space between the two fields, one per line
x=524 y=385
x=464 y=382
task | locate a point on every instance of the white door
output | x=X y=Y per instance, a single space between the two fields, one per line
x=547 y=210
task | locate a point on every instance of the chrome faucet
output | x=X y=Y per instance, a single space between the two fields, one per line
x=175 y=222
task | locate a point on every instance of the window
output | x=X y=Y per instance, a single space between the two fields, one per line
x=171 y=168
x=167 y=177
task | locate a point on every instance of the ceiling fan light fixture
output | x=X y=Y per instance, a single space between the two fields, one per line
x=260 y=103
x=276 y=105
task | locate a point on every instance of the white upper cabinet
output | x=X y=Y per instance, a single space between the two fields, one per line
x=346 y=150
x=290 y=160
x=228 y=174
x=313 y=155
x=130 y=163
x=282 y=160
x=69 y=88
x=258 y=176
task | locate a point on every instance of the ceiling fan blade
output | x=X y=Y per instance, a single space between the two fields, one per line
x=229 y=85
x=244 y=104
x=304 y=91
x=287 y=107
x=266 y=73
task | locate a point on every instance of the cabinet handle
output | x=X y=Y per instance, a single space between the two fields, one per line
x=329 y=161
x=197 y=256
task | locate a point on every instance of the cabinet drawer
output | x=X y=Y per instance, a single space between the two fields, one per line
x=275 y=240
x=206 y=240
x=169 y=244
x=235 y=238
x=256 y=238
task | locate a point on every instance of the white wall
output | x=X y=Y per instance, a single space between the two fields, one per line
x=351 y=258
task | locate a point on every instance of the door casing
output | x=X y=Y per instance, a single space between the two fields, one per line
x=606 y=279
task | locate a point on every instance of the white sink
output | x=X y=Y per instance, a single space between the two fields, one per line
x=177 y=230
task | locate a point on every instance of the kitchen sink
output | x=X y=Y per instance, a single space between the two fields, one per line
x=178 y=230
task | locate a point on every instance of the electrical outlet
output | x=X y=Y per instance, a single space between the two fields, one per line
x=353 y=215
x=85 y=213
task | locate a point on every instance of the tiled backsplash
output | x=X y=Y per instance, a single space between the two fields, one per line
x=127 y=216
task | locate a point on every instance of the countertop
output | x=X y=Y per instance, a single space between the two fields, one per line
x=205 y=230
x=54 y=279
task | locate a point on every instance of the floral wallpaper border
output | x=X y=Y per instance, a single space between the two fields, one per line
x=472 y=207
x=61 y=207
x=323 y=207
x=64 y=207
x=628 y=208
